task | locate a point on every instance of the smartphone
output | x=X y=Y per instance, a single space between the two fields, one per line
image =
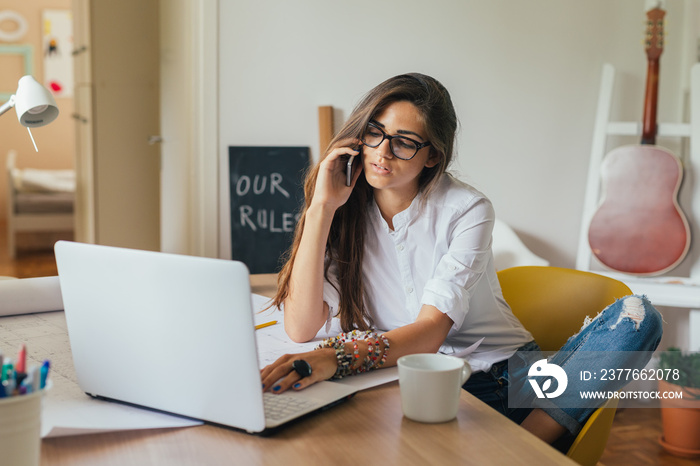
x=348 y=167
x=348 y=170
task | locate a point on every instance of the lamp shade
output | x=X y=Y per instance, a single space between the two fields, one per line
x=34 y=104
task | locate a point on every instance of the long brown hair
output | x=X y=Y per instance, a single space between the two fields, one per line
x=345 y=244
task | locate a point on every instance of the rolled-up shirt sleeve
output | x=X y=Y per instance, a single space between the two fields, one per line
x=458 y=271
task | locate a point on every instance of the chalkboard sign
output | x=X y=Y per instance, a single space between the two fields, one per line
x=267 y=195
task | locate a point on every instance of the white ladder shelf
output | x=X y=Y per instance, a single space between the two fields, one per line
x=683 y=292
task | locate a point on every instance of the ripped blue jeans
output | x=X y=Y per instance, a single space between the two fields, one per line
x=623 y=335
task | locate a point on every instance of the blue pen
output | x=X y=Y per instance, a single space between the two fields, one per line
x=44 y=374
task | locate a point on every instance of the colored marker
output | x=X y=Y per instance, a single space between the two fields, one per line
x=34 y=376
x=21 y=365
x=9 y=386
x=7 y=370
x=44 y=374
x=266 y=324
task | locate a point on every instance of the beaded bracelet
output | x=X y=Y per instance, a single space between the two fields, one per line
x=347 y=363
x=344 y=363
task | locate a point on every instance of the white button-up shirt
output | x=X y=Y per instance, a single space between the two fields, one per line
x=439 y=253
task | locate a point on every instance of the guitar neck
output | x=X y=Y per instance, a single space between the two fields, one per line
x=650 y=103
x=654 y=46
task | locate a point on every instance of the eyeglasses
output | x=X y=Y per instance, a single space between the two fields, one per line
x=402 y=147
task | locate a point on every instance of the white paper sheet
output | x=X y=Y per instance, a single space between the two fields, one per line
x=273 y=343
x=27 y=295
x=84 y=415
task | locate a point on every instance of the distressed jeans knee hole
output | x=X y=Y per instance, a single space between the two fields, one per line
x=633 y=309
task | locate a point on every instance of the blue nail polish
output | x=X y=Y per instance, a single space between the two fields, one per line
x=263 y=386
x=276 y=388
x=297 y=385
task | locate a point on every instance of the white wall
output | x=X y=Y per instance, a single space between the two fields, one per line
x=524 y=77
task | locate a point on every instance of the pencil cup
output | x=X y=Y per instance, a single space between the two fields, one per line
x=430 y=386
x=20 y=429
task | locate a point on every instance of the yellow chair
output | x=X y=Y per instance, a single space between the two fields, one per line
x=552 y=304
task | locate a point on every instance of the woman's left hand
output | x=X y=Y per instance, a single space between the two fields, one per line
x=281 y=376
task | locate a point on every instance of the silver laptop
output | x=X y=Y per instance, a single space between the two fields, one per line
x=173 y=333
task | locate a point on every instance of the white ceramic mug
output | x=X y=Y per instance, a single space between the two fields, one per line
x=430 y=386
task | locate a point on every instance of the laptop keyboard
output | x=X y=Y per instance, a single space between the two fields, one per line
x=280 y=407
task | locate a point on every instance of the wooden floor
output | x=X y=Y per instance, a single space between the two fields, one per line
x=633 y=439
x=34 y=255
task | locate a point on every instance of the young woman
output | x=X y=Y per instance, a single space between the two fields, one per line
x=406 y=248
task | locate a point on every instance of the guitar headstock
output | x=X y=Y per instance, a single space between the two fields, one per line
x=654 y=40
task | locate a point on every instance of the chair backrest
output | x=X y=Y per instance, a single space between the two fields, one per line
x=552 y=303
x=509 y=250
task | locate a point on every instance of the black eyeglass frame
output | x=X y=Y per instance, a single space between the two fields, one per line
x=419 y=145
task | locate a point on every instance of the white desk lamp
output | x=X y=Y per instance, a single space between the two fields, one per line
x=34 y=104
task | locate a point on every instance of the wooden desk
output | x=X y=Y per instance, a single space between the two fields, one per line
x=370 y=428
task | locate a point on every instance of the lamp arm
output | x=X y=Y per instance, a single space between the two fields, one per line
x=7 y=105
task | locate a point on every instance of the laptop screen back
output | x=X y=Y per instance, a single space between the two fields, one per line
x=168 y=332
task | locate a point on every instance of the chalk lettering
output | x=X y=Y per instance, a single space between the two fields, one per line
x=245 y=211
x=272 y=223
x=263 y=219
x=259 y=189
x=259 y=184
x=288 y=221
x=275 y=180
x=242 y=185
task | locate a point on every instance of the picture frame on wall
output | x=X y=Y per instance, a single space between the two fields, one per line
x=18 y=57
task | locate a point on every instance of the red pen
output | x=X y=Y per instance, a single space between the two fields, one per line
x=21 y=365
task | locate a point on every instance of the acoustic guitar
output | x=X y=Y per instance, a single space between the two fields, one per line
x=639 y=227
